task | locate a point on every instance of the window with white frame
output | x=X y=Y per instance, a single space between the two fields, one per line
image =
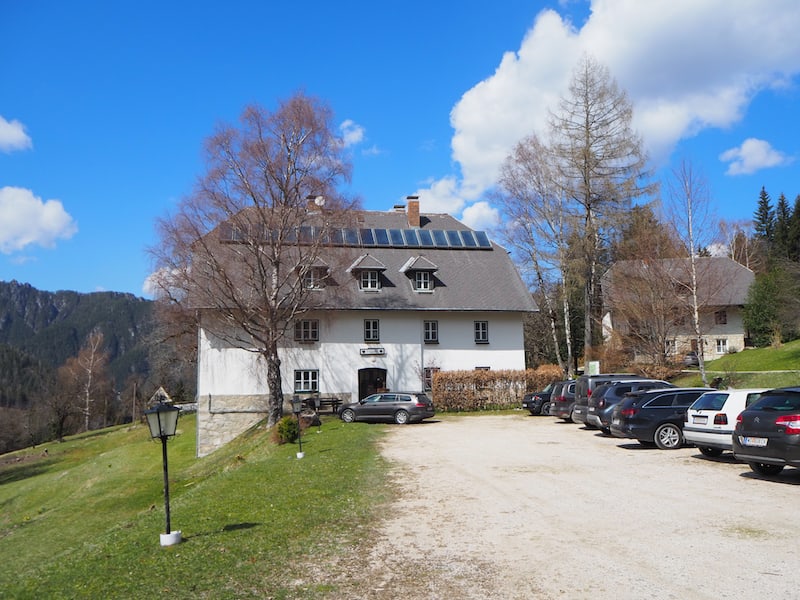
x=427 y=376
x=306 y=381
x=306 y=330
x=372 y=331
x=430 y=332
x=423 y=281
x=481 y=332
x=722 y=345
x=370 y=281
x=314 y=278
x=670 y=347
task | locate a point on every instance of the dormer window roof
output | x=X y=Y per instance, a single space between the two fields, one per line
x=365 y=262
x=418 y=263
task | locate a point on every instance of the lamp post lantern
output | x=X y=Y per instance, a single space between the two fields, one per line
x=297 y=408
x=162 y=419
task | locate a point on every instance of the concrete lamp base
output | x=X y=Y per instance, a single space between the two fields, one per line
x=301 y=454
x=170 y=539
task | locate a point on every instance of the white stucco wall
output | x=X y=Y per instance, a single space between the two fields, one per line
x=232 y=384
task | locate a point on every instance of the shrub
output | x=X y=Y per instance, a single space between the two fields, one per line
x=286 y=431
x=489 y=390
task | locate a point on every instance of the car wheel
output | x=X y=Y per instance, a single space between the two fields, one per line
x=572 y=418
x=545 y=409
x=708 y=451
x=668 y=437
x=401 y=417
x=348 y=416
x=765 y=469
x=605 y=430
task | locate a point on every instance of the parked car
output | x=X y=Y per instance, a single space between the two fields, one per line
x=397 y=407
x=710 y=420
x=585 y=387
x=606 y=396
x=538 y=403
x=654 y=417
x=562 y=399
x=767 y=434
x=690 y=359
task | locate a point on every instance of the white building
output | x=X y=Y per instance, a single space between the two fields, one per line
x=413 y=293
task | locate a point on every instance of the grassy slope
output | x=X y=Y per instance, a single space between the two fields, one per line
x=84 y=520
x=761 y=367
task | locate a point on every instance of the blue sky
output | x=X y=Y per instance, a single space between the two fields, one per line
x=104 y=106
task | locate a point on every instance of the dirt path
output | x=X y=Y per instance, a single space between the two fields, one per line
x=526 y=507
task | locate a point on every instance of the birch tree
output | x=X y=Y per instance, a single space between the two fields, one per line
x=245 y=248
x=538 y=225
x=689 y=214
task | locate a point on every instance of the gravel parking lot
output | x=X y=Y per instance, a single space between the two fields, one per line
x=532 y=507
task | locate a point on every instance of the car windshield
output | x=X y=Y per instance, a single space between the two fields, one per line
x=710 y=401
x=778 y=402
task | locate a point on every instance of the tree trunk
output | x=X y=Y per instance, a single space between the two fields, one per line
x=275 y=396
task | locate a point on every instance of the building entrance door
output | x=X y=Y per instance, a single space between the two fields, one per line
x=370 y=381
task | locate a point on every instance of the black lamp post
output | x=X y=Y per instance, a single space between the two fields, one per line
x=297 y=408
x=162 y=419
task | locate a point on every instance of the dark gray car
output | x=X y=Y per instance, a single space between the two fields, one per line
x=397 y=407
x=584 y=387
x=608 y=395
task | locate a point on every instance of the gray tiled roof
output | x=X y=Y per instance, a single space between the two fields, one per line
x=721 y=281
x=464 y=279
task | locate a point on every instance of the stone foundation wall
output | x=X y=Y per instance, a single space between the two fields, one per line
x=221 y=418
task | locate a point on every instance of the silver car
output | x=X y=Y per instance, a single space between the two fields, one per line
x=711 y=419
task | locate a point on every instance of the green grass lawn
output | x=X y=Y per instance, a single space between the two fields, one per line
x=83 y=520
x=759 y=367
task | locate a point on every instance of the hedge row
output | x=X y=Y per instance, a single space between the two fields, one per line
x=489 y=390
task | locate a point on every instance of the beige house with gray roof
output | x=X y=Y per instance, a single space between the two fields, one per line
x=649 y=302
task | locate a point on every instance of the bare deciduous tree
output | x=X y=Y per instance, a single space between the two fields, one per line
x=601 y=165
x=689 y=213
x=244 y=249
x=538 y=225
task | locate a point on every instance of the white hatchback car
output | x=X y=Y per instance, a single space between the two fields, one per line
x=711 y=419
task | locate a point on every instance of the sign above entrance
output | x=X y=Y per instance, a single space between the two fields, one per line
x=372 y=351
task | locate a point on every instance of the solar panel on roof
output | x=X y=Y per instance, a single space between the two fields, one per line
x=483 y=239
x=381 y=237
x=440 y=238
x=453 y=239
x=397 y=237
x=336 y=237
x=367 y=238
x=468 y=239
x=351 y=237
x=411 y=238
x=425 y=238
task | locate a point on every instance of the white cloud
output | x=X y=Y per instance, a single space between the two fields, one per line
x=752 y=156
x=686 y=65
x=13 y=136
x=481 y=215
x=352 y=133
x=26 y=220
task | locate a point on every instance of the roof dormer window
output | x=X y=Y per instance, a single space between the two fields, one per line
x=367 y=270
x=420 y=271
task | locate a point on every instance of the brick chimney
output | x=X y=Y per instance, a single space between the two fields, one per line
x=413 y=211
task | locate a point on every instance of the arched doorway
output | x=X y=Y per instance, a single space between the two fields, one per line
x=370 y=381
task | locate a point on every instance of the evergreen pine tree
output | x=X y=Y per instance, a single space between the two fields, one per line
x=764 y=218
x=783 y=217
x=793 y=241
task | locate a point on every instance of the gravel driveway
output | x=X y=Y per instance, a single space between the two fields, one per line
x=517 y=507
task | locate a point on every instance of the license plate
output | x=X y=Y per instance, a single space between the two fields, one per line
x=756 y=442
x=615 y=422
x=700 y=420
